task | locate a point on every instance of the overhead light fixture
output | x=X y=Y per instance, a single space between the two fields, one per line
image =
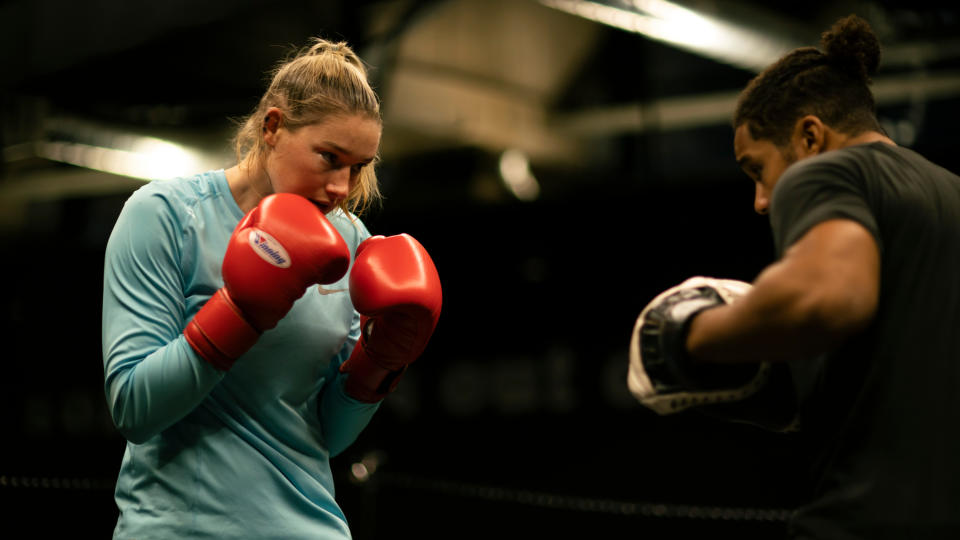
x=684 y=28
x=147 y=160
x=516 y=175
x=119 y=152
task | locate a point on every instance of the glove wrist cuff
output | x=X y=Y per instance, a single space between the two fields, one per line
x=682 y=366
x=679 y=366
x=367 y=380
x=219 y=333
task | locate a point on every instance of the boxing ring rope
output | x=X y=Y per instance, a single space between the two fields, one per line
x=13 y=482
x=594 y=505
x=511 y=496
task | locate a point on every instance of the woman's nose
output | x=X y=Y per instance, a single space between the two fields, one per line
x=338 y=184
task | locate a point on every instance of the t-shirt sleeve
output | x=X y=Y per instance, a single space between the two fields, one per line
x=817 y=190
x=342 y=417
x=152 y=377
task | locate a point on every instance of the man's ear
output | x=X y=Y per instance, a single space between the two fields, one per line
x=809 y=136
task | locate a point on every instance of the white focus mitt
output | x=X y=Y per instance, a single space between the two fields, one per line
x=661 y=374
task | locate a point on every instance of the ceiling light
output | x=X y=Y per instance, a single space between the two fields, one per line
x=676 y=25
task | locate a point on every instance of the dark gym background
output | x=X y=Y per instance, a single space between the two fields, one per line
x=516 y=423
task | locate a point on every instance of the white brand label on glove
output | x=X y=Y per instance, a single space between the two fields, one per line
x=269 y=249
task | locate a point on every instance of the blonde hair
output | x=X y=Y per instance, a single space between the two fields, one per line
x=315 y=82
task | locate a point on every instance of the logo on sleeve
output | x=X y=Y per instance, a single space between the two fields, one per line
x=269 y=249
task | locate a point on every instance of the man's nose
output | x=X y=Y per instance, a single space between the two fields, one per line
x=761 y=200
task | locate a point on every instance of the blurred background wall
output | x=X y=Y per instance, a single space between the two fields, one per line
x=562 y=160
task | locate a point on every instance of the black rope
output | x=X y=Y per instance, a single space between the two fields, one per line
x=523 y=497
x=55 y=483
x=545 y=500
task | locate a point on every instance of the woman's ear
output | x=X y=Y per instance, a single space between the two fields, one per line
x=271 y=125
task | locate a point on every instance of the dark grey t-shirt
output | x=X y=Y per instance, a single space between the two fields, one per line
x=881 y=415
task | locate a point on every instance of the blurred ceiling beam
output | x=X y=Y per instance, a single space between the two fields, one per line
x=484 y=73
x=750 y=43
x=690 y=112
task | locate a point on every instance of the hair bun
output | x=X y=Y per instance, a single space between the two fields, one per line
x=852 y=44
x=321 y=47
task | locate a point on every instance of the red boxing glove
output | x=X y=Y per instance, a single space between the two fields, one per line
x=395 y=287
x=281 y=247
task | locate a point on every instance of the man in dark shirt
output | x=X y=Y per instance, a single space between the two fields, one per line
x=863 y=303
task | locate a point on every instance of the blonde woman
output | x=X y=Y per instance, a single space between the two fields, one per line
x=252 y=325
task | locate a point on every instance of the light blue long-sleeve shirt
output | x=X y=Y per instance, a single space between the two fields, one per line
x=240 y=454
